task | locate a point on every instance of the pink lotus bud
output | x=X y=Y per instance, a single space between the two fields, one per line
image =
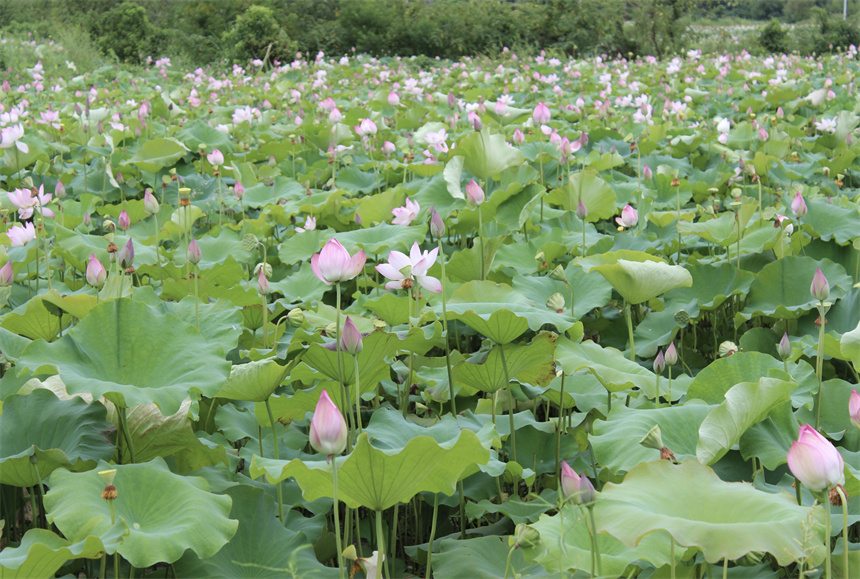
x=437 y=225
x=647 y=173
x=366 y=127
x=87 y=219
x=519 y=138
x=393 y=99
x=388 y=147
x=119 y=178
x=474 y=193
x=238 y=190
x=59 y=190
x=327 y=433
x=358 y=219
x=629 y=218
x=262 y=281
x=575 y=488
x=96 y=274
x=780 y=114
x=820 y=288
x=350 y=338
x=7 y=87
x=815 y=461
x=452 y=100
x=854 y=408
x=556 y=140
x=659 y=362
x=581 y=210
x=798 y=205
x=124 y=220
x=784 y=347
x=541 y=114
x=671 y=356
x=194 y=255
x=126 y=255
x=215 y=158
x=334 y=264
x=150 y=203
x=7 y=276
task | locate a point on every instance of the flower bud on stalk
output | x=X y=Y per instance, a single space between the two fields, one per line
x=820 y=288
x=7 y=276
x=328 y=431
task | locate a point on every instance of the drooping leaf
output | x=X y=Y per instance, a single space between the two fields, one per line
x=157 y=154
x=42 y=553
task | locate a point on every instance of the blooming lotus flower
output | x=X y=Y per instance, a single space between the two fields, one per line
x=798 y=205
x=334 y=264
x=193 y=255
x=365 y=127
x=541 y=114
x=310 y=224
x=96 y=274
x=215 y=158
x=124 y=220
x=574 y=487
x=437 y=140
x=327 y=433
x=11 y=135
x=629 y=218
x=350 y=338
x=21 y=235
x=474 y=193
x=826 y=125
x=820 y=288
x=406 y=214
x=815 y=461
x=724 y=126
x=7 y=276
x=25 y=201
x=854 y=408
x=402 y=269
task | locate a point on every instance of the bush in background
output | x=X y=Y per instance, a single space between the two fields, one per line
x=126 y=32
x=773 y=38
x=256 y=34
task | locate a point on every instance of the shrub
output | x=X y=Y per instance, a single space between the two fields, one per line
x=773 y=38
x=797 y=10
x=125 y=31
x=254 y=32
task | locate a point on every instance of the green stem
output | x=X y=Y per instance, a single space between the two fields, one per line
x=845 y=543
x=725 y=567
x=797 y=493
x=428 y=573
x=481 y=236
x=678 y=226
x=510 y=403
x=819 y=361
x=404 y=405
x=357 y=398
x=630 y=330
x=221 y=202
x=336 y=517
x=34 y=508
x=343 y=402
x=441 y=258
x=561 y=409
x=380 y=545
x=672 y=555
x=828 y=573
x=596 y=541
x=508 y=562
x=102 y=568
x=658 y=391
x=157 y=253
x=123 y=424
x=277 y=457
x=392 y=535
x=265 y=317
x=462 y=509
x=197 y=300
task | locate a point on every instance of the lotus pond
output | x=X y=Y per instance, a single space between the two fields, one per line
x=571 y=315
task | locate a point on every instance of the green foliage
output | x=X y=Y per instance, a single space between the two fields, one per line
x=773 y=38
x=797 y=10
x=125 y=31
x=256 y=34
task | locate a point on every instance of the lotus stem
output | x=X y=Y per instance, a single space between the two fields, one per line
x=672 y=555
x=344 y=407
x=357 y=398
x=595 y=541
x=481 y=237
x=157 y=253
x=657 y=399
x=277 y=457
x=678 y=225
x=462 y=509
x=819 y=360
x=123 y=424
x=828 y=573
x=445 y=328
x=511 y=551
x=380 y=544
x=510 y=403
x=336 y=517
x=630 y=330
x=845 y=543
x=393 y=536
x=428 y=573
x=221 y=202
x=265 y=318
x=725 y=567
x=197 y=301
x=404 y=404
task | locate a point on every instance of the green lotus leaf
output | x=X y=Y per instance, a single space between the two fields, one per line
x=486 y=155
x=614 y=371
x=380 y=239
x=254 y=381
x=616 y=439
x=770 y=439
x=379 y=479
x=372 y=364
x=565 y=545
x=781 y=288
x=35 y=319
x=586 y=186
x=640 y=281
x=58 y=433
x=611 y=257
x=157 y=154
x=713 y=284
x=11 y=344
x=724 y=520
x=528 y=363
x=481 y=558
x=720 y=230
x=42 y=553
x=499 y=312
x=831 y=221
x=166 y=514
x=201 y=133
x=301 y=246
x=588 y=292
x=261 y=547
x=514 y=508
x=746 y=404
x=220 y=322
x=135 y=353
x=850 y=346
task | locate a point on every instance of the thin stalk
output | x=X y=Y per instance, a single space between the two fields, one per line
x=462 y=509
x=404 y=405
x=392 y=548
x=819 y=361
x=336 y=518
x=678 y=226
x=481 y=236
x=357 y=398
x=561 y=409
x=670 y=385
x=41 y=490
x=445 y=328
x=844 y=498
x=511 y=552
x=596 y=542
x=380 y=544
x=123 y=424
x=828 y=573
x=103 y=566
x=277 y=457
x=672 y=555
x=34 y=508
x=346 y=412
x=428 y=573
x=658 y=392
x=725 y=567
x=116 y=553
x=197 y=302
x=265 y=319
x=157 y=254
x=510 y=403
x=221 y=202
x=630 y=330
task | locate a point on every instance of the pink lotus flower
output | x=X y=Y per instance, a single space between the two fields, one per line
x=388 y=147
x=647 y=173
x=238 y=190
x=96 y=273
x=124 y=220
x=126 y=255
x=26 y=202
x=262 y=282
x=327 y=433
x=437 y=225
x=474 y=193
x=333 y=264
x=574 y=487
x=11 y=135
x=519 y=138
x=7 y=276
x=671 y=355
x=21 y=235
x=815 y=461
x=350 y=338
x=310 y=224
x=581 y=210
x=784 y=347
x=659 y=362
x=365 y=127
x=820 y=288
x=393 y=99
x=854 y=408
x=215 y=158
x=150 y=203
x=193 y=255
x=406 y=214
x=402 y=269
x=629 y=218
x=541 y=114
x=798 y=205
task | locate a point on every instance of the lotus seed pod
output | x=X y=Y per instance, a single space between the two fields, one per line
x=249 y=242
x=682 y=318
x=654 y=439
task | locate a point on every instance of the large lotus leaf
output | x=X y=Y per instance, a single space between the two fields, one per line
x=594 y=192
x=610 y=257
x=486 y=155
x=713 y=284
x=254 y=381
x=640 y=281
x=201 y=133
x=261 y=547
x=166 y=514
x=41 y=553
x=302 y=246
x=724 y=520
x=614 y=371
x=136 y=354
x=372 y=365
x=11 y=344
x=58 y=433
x=220 y=322
x=830 y=221
x=588 y=292
x=35 y=319
x=527 y=363
x=850 y=346
x=379 y=479
x=481 y=558
x=616 y=439
x=781 y=288
x=770 y=439
x=299 y=288
x=720 y=230
x=157 y=154
x=499 y=312
x=378 y=240
x=746 y=404
x=565 y=545
x=514 y=508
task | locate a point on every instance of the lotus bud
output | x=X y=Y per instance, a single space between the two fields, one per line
x=59 y=190
x=556 y=302
x=798 y=205
x=124 y=220
x=194 y=255
x=558 y=274
x=575 y=488
x=647 y=173
x=784 y=347
x=262 y=283
x=654 y=438
x=854 y=408
x=525 y=537
x=659 y=362
x=437 y=225
x=541 y=114
x=671 y=355
x=7 y=276
x=126 y=255
x=119 y=178
x=815 y=461
x=452 y=100
x=96 y=273
x=215 y=158
x=629 y=217
x=819 y=289
x=474 y=193
x=727 y=348
x=238 y=190
x=519 y=138
x=150 y=203
x=393 y=99
x=388 y=147
x=328 y=429
x=296 y=317
x=350 y=338
x=581 y=210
